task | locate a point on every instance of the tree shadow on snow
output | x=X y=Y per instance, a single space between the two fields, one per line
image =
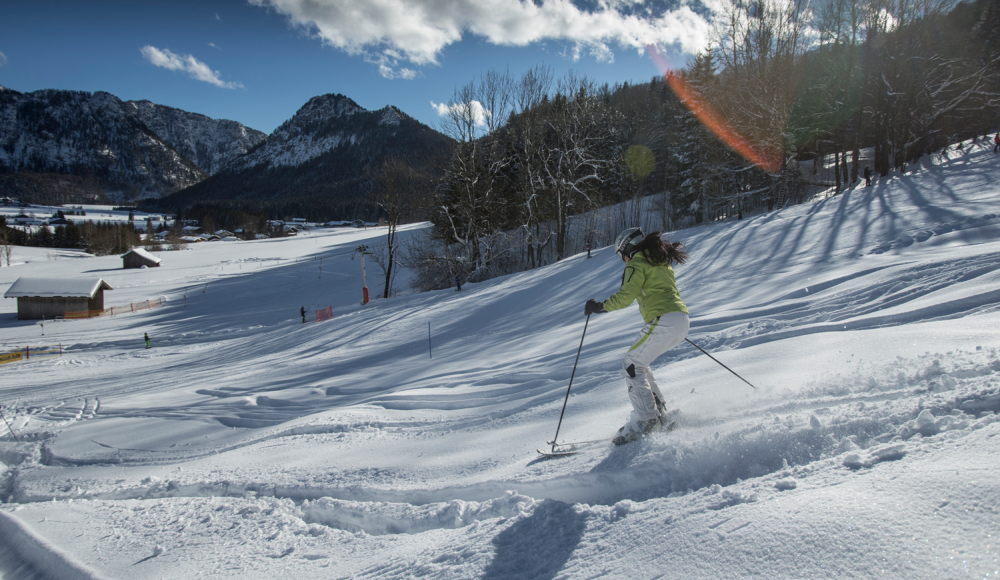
x=538 y=546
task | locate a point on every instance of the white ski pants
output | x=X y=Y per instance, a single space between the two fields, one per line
x=656 y=338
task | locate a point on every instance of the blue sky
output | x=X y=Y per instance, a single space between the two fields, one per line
x=258 y=61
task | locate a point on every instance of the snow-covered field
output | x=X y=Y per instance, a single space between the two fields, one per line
x=398 y=440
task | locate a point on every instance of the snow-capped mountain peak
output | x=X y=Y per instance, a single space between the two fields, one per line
x=390 y=116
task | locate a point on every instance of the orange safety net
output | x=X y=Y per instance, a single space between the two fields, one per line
x=325 y=314
x=133 y=307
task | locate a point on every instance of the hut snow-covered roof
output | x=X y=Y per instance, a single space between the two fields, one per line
x=143 y=254
x=56 y=287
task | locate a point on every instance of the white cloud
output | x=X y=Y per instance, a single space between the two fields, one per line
x=3 y=59
x=217 y=17
x=388 y=65
x=418 y=30
x=186 y=63
x=213 y=45
x=478 y=112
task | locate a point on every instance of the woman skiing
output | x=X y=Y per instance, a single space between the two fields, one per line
x=648 y=278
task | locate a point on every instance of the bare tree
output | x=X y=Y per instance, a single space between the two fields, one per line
x=397 y=183
x=472 y=199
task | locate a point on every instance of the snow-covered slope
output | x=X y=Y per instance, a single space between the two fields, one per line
x=210 y=143
x=398 y=440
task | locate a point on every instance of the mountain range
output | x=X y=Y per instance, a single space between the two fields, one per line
x=131 y=150
x=327 y=149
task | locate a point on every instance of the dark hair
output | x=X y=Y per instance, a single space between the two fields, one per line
x=659 y=252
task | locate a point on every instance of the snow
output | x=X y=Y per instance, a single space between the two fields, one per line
x=245 y=444
x=390 y=116
x=52 y=287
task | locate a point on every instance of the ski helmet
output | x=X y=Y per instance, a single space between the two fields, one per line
x=626 y=241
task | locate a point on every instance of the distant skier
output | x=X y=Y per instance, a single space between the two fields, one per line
x=996 y=143
x=302 y=311
x=868 y=176
x=458 y=284
x=648 y=278
x=145 y=335
x=588 y=250
x=739 y=212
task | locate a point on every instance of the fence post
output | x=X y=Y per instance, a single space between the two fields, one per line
x=60 y=349
x=132 y=306
x=27 y=352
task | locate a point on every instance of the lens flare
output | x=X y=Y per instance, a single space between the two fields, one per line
x=769 y=161
x=640 y=160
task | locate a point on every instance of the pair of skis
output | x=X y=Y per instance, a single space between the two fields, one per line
x=564 y=449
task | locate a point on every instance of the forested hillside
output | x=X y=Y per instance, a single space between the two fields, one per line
x=94 y=137
x=790 y=100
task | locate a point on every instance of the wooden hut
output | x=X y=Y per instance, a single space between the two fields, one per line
x=39 y=298
x=137 y=258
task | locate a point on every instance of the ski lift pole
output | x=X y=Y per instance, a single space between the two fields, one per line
x=720 y=364
x=8 y=425
x=364 y=283
x=573 y=374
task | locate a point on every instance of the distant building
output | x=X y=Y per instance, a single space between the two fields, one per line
x=137 y=258
x=39 y=298
x=25 y=220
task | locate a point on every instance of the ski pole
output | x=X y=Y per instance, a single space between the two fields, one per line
x=722 y=365
x=8 y=425
x=566 y=400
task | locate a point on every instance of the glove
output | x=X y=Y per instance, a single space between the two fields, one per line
x=593 y=307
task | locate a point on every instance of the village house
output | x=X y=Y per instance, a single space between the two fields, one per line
x=41 y=298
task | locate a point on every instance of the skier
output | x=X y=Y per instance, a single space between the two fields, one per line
x=648 y=278
x=458 y=284
x=302 y=311
x=739 y=212
x=145 y=335
x=588 y=250
x=996 y=143
x=868 y=176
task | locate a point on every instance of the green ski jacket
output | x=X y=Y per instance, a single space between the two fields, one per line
x=653 y=286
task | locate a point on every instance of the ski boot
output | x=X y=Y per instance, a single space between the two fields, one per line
x=633 y=430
